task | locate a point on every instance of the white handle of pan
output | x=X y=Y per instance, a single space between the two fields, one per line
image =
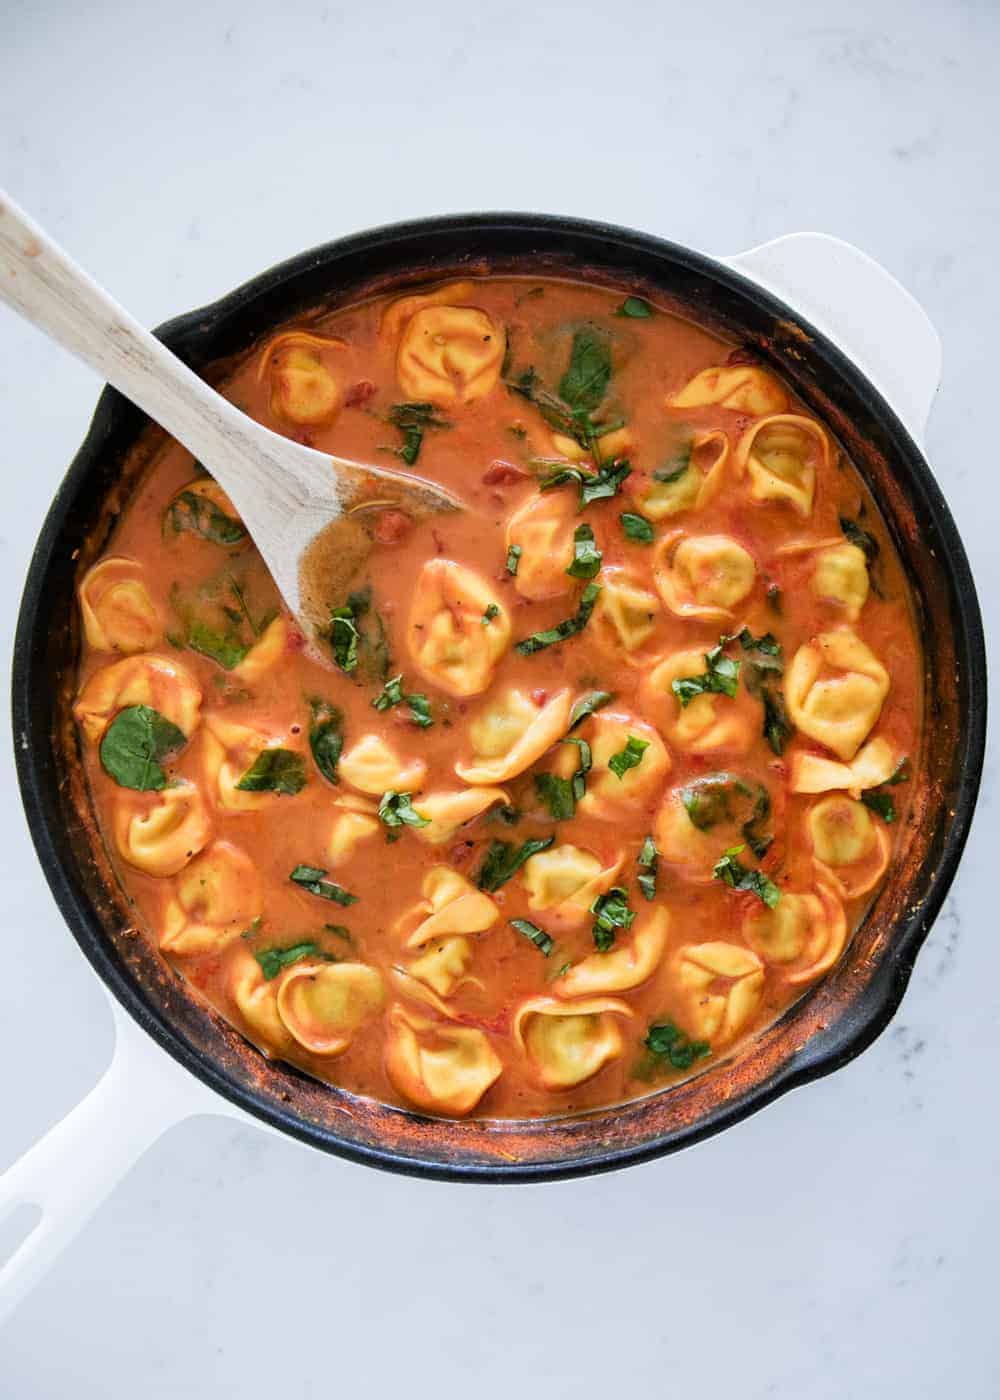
x=74 y=1167
x=862 y=308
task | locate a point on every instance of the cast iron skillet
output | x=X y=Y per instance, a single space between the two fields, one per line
x=839 y=1017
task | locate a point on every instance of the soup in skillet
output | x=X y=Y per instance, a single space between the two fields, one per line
x=593 y=779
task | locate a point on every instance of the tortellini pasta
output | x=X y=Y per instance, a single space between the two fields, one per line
x=458 y=629
x=722 y=984
x=542 y=528
x=355 y=820
x=447 y=353
x=163 y=684
x=443 y=965
x=691 y=850
x=511 y=734
x=450 y=904
x=371 y=765
x=874 y=765
x=567 y=1043
x=626 y=614
x=324 y=1005
x=834 y=689
x=616 y=443
x=689 y=486
x=850 y=847
x=803 y=935
x=217 y=898
x=703 y=575
x=118 y=612
x=780 y=454
x=159 y=835
x=256 y=1000
x=229 y=750
x=447 y=812
x=440 y=1068
x=709 y=723
x=265 y=653
x=564 y=881
x=841 y=577
x=630 y=962
x=304 y=389
x=607 y=795
x=743 y=388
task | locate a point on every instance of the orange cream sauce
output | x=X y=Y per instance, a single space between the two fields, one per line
x=485 y=1044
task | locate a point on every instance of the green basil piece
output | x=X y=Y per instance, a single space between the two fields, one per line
x=275 y=960
x=636 y=308
x=668 y=1042
x=275 y=770
x=557 y=795
x=513 y=559
x=413 y=420
x=542 y=941
x=648 y=862
x=628 y=757
x=588 y=374
x=313 y=879
x=196 y=514
x=396 y=809
x=637 y=527
x=611 y=913
x=503 y=860
x=562 y=630
x=134 y=743
x=326 y=738
x=734 y=873
x=586 y=556
x=588 y=705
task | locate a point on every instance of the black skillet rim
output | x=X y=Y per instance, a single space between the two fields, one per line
x=860 y=1023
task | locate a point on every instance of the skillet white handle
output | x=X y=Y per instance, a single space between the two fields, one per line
x=71 y=1170
x=860 y=307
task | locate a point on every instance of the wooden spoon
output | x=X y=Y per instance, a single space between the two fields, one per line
x=309 y=514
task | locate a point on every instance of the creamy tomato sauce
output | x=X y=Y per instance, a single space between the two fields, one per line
x=594 y=778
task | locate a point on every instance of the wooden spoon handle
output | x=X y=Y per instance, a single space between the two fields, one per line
x=38 y=280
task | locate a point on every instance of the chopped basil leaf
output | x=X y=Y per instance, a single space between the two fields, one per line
x=594 y=486
x=881 y=802
x=355 y=647
x=420 y=710
x=311 y=878
x=637 y=527
x=391 y=694
x=778 y=728
x=676 y=466
x=503 y=860
x=341 y=930
x=197 y=514
x=567 y=628
x=275 y=960
x=217 y=647
x=588 y=705
x=326 y=738
x=542 y=941
x=668 y=1042
x=586 y=556
x=578 y=782
x=648 y=862
x=396 y=809
x=628 y=757
x=721 y=677
x=134 y=743
x=707 y=802
x=413 y=420
x=491 y=612
x=513 y=558
x=867 y=543
x=635 y=308
x=611 y=912
x=275 y=770
x=586 y=380
x=344 y=638
x=735 y=874
x=557 y=794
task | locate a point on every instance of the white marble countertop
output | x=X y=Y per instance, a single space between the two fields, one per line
x=842 y=1242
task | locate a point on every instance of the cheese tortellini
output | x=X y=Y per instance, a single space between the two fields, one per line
x=710 y=722
x=542 y=529
x=721 y=984
x=873 y=765
x=450 y=904
x=355 y=820
x=743 y=388
x=626 y=614
x=630 y=962
x=780 y=454
x=448 y=352
x=439 y=1067
x=841 y=577
x=700 y=820
x=163 y=684
x=850 y=847
x=567 y=1043
x=256 y=1000
x=229 y=750
x=265 y=653
x=160 y=835
x=511 y=734
x=372 y=765
x=324 y=1005
x=458 y=629
x=687 y=484
x=703 y=575
x=607 y=795
x=118 y=612
x=304 y=388
x=803 y=935
x=564 y=881
x=443 y=964
x=217 y=898
x=447 y=812
x=834 y=689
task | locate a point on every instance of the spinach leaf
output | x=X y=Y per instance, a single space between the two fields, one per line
x=326 y=738
x=557 y=794
x=586 y=380
x=542 y=941
x=668 y=1042
x=778 y=728
x=588 y=705
x=676 y=466
x=226 y=650
x=396 y=809
x=707 y=802
x=503 y=860
x=637 y=527
x=648 y=862
x=752 y=834
x=720 y=677
x=854 y=534
x=196 y=514
x=586 y=556
x=134 y=743
x=355 y=646
x=420 y=710
x=611 y=912
x=344 y=638
x=492 y=611
x=513 y=559
x=311 y=878
x=594 y=486
x=636 y=308
x=567 y=628
x=275 y=960
x=879 y=801
x=735 y=874
x=413 y=420
x=628 y=757
x=275 y=770
x=578 y=782
x=392 y=694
